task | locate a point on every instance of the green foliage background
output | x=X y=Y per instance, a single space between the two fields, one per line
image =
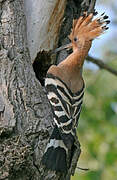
x=97 y=129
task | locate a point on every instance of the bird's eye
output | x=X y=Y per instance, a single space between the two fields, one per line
x=75 y=39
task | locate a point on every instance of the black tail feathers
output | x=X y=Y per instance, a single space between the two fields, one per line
x=55 y=154
x=55 y=159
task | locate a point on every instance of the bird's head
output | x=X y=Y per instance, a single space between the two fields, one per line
x=84 y=30
x=79 y=32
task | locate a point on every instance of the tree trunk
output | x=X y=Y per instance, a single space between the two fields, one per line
x=25 y=113
x=44 y=19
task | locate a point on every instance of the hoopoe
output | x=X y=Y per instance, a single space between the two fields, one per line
x=65 y=89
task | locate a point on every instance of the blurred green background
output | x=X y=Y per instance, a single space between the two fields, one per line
x=97 y=129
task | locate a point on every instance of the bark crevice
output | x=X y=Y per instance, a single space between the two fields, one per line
x=25 y=113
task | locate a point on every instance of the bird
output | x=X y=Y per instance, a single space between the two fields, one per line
x=65 y=90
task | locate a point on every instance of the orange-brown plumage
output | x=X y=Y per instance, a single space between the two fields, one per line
x=84 y=30
x=65 y=91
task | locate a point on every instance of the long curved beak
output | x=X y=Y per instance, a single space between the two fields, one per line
x=67 y=46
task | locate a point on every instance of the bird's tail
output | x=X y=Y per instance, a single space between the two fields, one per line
x=55 y=156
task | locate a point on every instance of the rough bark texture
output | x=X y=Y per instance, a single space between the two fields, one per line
x=25 y=113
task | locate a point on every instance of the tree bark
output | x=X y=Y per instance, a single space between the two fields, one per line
x=25 y=113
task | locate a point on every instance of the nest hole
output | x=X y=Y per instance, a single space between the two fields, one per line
x=41 y=65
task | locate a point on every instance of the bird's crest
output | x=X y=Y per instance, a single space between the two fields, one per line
x=85 y=28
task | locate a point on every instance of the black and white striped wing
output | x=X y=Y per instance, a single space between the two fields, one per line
x=66 y=105
x=66 y=108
